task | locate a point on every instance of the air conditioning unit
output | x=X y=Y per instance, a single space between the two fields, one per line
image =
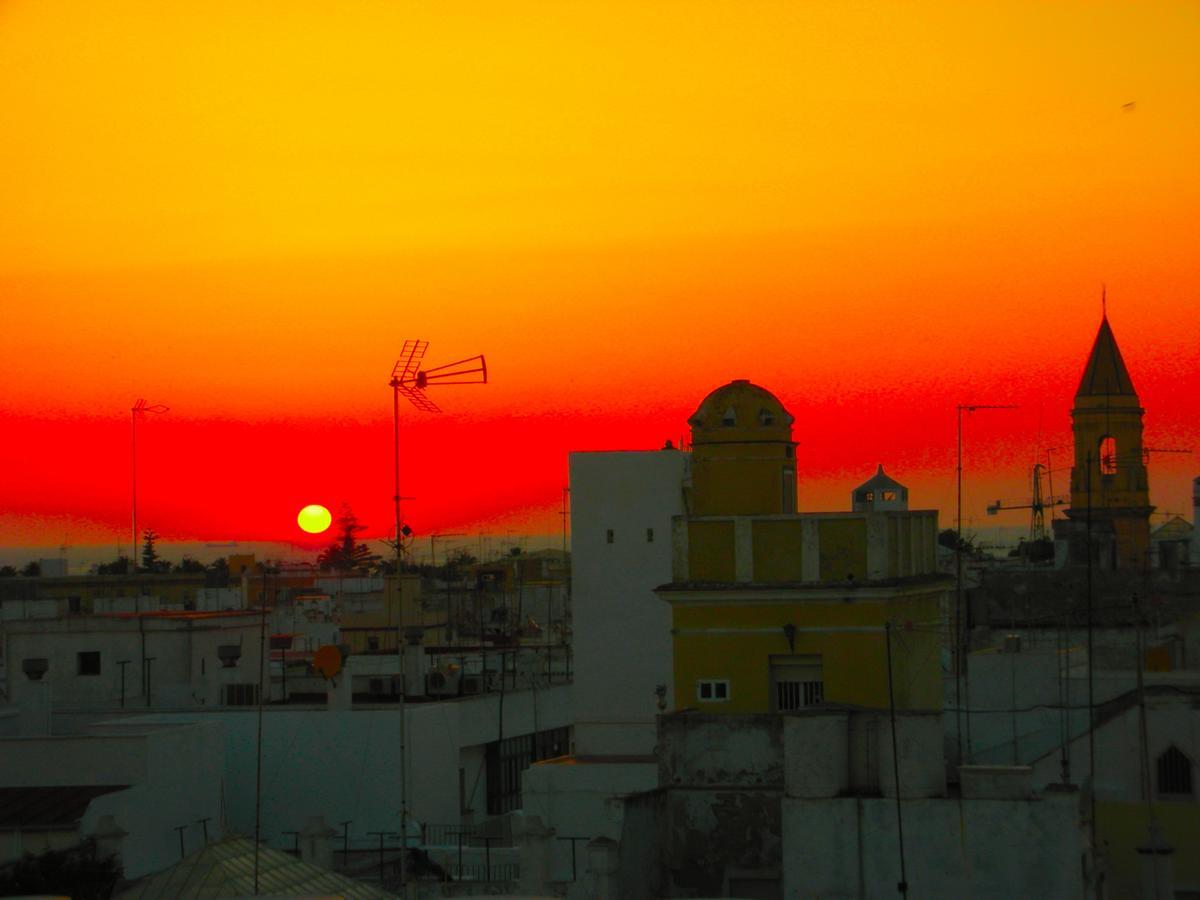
x=471 y=684
x=442 y=682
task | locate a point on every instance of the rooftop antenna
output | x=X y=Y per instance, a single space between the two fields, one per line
x=1103 y=300
x=141 y=407
x=410 y=380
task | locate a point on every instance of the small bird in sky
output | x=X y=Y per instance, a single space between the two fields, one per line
x=1130 y=106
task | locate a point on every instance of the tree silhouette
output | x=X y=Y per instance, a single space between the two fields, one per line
x=346 y=553
x=150 y=558
x=119 y=566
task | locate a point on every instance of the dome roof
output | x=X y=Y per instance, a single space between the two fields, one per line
x=740 y=411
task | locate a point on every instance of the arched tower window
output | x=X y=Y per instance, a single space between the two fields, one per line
x=729 y=418
x=1108 y=455
x=1174 y=772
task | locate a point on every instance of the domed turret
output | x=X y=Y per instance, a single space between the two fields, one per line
x=743 y=455
x=879 y=492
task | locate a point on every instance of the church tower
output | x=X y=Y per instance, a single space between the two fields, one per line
x=1108 y=479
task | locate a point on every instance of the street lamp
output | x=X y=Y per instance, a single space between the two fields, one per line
x=959 y=635
x=409 y=379
x=139 y=408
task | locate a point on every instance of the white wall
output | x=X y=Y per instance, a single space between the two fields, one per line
x=848 y=848
x=622 y=638
x=184 y=652
x=345 y=764
x=175 y=777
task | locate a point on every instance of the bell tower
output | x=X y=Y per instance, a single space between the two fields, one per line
x=1109 y=482
x=743 y=455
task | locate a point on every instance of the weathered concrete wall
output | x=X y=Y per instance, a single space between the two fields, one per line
x=709 y=833
x=848 y=848
x=640 y=873
x=816 y=749
x=728 y=750
x=919 y=746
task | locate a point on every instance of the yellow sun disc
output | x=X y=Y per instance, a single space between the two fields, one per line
x=314 y=518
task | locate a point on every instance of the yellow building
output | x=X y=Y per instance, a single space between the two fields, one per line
x=1110 y=491
x=774 y=610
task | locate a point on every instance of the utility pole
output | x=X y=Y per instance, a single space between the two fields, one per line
x=960 y=641
x=409 y=379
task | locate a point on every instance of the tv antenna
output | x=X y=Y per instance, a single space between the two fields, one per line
x=141 y=407
x=410 y=380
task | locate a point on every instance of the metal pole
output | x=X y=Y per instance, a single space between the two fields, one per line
x=133 y=483
x=123 y=663
x=902 y=885
x=1090 y=650
x=345 y=843
x=262 y=658
x=958 y=640
x=395 y=383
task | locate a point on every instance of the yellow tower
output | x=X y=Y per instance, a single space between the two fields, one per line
x=1109 y=484
x=743 y=455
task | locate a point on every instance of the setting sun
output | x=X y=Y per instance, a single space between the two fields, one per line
x=314 y=518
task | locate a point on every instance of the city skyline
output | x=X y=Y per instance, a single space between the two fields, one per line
x=875 y=215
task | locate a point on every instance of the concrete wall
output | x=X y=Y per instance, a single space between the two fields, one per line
x=346 y=764
x=184 y=651
x=848 y=848
x=175 y=776
x=622 y=632
x=1172 y=718
x=696 y=749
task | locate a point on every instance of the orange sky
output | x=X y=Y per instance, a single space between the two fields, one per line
x=878 y=211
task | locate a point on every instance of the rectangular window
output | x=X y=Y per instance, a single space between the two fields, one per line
x=649 y=535
x=797 y=682
x=241 y=695
x=712 y=690
x=889 y=495
x=507 y=760
x=609 y=536
x=88 y=663
x=74 y=605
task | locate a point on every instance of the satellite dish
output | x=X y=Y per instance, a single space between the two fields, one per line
x=328 y=660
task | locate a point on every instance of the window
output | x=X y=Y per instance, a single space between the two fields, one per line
x=241 y=695
x=88 y=663
x=1174 y=772
x=729 y=418
x=372 y=642
x=507 y=760
x=889 y=495
x=649 y=535
x=1108 y=455
x=712 y=690
x=74 y=605
x=791 y=695
x=766 y=417
x=797 y=682
x=869 y=496
x=609 y=536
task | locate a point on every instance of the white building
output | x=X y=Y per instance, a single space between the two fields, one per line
x=622 y=504
x=148 y=793
x=101 y=663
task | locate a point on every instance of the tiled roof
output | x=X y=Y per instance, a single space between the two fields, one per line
x=226 y=869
